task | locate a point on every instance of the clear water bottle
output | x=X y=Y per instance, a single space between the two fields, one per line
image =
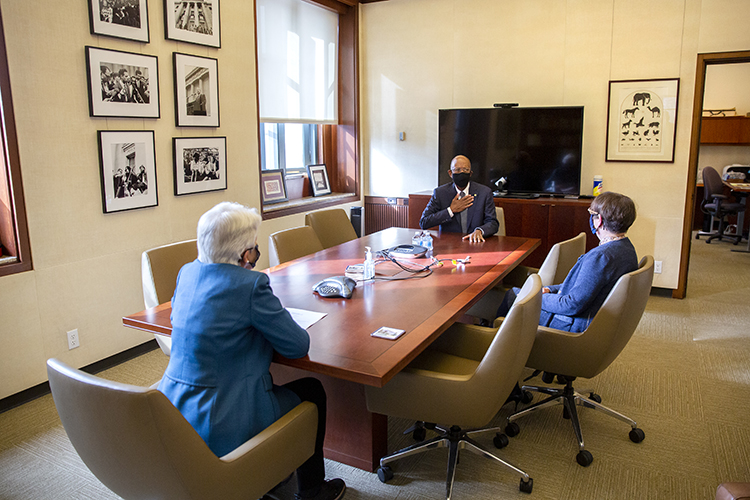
x=417 y=238
x=427 y=243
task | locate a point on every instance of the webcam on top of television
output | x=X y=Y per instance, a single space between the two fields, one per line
x=506 y=105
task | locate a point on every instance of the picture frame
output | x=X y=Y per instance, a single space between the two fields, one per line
x=642 y=120
x=272 y=186
x=200 y=164
x=196 y=90
x=127 y=169
x=122 y=84
x=318 y=175
x=193 y=21
x=129 y=20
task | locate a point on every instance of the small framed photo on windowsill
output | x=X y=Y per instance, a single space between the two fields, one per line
x=318 y=176
x=200 y=164
x=272 y=186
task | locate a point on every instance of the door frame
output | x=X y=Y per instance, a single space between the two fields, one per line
x=704 y=60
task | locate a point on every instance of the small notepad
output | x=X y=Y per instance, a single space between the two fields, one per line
x=387 y=333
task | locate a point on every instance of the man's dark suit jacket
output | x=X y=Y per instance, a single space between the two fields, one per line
x=480 y=215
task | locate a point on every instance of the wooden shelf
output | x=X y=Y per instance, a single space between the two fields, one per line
x=727 y=130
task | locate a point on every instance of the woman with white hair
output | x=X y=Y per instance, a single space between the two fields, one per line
x=226 y=324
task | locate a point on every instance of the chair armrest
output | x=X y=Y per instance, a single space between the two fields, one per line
x=553 y=350
x=719 y=197
x=465 y=341
x=733 y=491
x=294 y=433
x=517 y=276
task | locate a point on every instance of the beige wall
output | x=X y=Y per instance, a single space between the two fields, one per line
x=87 y=264
x=422 y=55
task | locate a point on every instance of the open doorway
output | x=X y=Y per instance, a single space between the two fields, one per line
x=704 y=62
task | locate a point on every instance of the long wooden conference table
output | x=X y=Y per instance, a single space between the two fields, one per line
x=342 y=354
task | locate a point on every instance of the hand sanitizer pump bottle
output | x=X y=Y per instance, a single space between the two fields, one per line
x=369 y=268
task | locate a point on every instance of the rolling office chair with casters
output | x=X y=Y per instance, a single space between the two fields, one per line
x=139 y=445
x=556 y=266
x=588 y=353
x=332 y=226
x=715 y=204
x=291 y=244
x=462 y=379
x=159 y=269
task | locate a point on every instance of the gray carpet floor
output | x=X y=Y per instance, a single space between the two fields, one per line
x=684 y=376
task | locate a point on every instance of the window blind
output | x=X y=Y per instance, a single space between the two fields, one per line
x=297 y=62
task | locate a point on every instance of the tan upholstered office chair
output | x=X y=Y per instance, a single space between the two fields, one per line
x=589 y=353
x=332 y=226
x=159 y=269
x=500 y=215
x=138 y=444
x=556 y=266
x=291 y=244
x=462 y=380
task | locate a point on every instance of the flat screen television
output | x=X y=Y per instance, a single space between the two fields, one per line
x=537 y=150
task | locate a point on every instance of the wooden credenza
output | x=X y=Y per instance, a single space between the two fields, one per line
x=550 y=219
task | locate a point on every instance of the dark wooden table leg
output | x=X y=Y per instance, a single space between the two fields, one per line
x=354 y=436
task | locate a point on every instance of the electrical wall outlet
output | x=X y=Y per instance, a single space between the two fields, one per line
x=657 y=267
x=73 y=341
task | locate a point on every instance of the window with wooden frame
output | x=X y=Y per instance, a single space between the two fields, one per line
x=294 y=133
x=14 y=238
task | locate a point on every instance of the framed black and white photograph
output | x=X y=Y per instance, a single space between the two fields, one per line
x=196 y=92
x=193 y=21
x=120 y=18
x=642 y=120
x=318 y=176
x=127 y=161
x=273 y=188
x=200 y=164
x=122 y=84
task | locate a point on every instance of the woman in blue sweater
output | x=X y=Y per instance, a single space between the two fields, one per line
x=226 y=324
x=572 y=305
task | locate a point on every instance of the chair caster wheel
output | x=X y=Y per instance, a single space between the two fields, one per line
x=548 y=378
x=637 y=435
x=512 y=429
x=584 y=458
x=385 y=473
x=419 y=434
x=527 y=397
x=526 y=486
x=500 y=441
x=595 y=397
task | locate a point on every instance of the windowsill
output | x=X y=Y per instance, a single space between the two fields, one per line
x=9 y=259
x=306 y=204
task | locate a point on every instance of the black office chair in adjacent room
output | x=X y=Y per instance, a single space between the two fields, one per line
x=716 y=205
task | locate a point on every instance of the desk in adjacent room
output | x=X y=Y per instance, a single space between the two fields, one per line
x=342 y=354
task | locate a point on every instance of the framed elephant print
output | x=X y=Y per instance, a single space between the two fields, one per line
x=642 y=120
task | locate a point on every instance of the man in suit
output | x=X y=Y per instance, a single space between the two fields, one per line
x=462 y=206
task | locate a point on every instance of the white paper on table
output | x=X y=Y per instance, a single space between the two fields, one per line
x=304 y=318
